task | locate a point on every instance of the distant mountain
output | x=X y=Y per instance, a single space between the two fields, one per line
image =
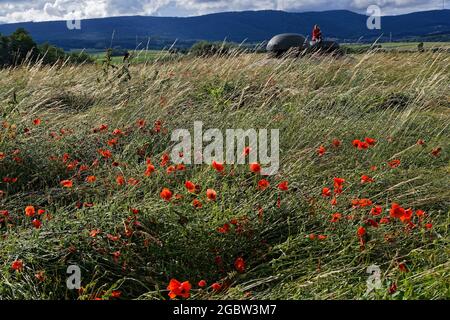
x=249 y=26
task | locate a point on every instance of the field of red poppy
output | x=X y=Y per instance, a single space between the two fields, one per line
x=363 y=185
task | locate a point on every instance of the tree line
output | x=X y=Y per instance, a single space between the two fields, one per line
x=19 y=47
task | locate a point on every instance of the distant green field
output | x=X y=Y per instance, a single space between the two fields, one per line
x=403 y=45
x=143 y=56
x=137 y=56
x=140 y=56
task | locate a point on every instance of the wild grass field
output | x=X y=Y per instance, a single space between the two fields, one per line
x=363 y=180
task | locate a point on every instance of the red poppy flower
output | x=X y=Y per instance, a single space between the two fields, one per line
x=429 y=226
x=36 y=223
x=133 y=182
x=338 y=182
x=393 y=288
x=283 y=186
x=394 y=163
x=362 y=203
x=166 y=194
x=117 y=132
x=402 y=267
x=113 y=238
x=120 y=180
x=197 y=204
x=202 y=283
x=112 y=142
x=375 y=211
x=216 y=287
x=105 y=153
x=255 y=167
x=336 y=143
x=239 y=264
x=211 y=194
x=176 y=288
x=164 y=159
x=321 y=151
x=384 y=220
x=338 y=185
x=190 y=186
x=72 y=165
x=361 y=231
x=116 y=255
x=30 y=211
x=372 y=223
x=396 y=211
x=326 y=192
x=150 y=169
x=37 y=122
x=321 y=237
x=17 y=265
x=263 y=184
x=366 y=179
x=420 y=213
x=420 y=142
x=40 y=275
x=157 y=126
x=361 y=145
x=9 y=180
x=219 y=167
x=178 y=196
x=224 y=229
x=370 y=141
x=436 y=152
x=116 y=294
x=91 y=179
x=333 y=201
x=94 y=233
x=335 y=217
x=170 y=169
x=141 y=123
x=407 y=215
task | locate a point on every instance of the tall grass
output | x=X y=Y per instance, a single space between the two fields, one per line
x=394 y=98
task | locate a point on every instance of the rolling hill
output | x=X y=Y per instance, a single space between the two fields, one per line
x=249 y=26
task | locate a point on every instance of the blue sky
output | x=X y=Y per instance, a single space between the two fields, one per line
x=39 y=10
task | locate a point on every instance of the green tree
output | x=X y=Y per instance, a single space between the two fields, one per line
x=4 y=51
x=50 y=54
x=21 y=45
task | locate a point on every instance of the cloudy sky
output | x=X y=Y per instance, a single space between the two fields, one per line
x=38 y=10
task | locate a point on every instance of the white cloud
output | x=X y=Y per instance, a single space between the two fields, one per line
x=37 y=10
